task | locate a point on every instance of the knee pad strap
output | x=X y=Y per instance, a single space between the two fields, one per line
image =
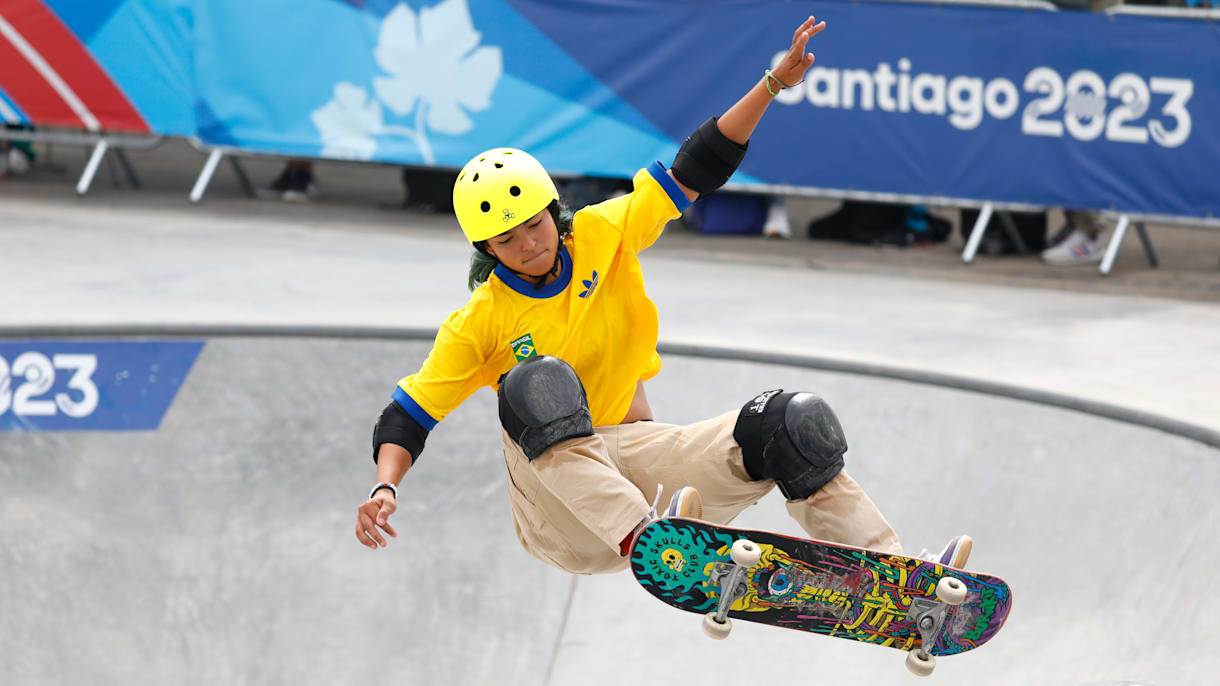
x=543 y=402
x=793 y=438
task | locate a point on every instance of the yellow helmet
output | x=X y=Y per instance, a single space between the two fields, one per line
x=499 y=189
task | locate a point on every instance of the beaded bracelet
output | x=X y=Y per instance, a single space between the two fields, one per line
x=382 y=485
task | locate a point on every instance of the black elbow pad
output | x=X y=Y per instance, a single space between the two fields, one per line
x=397 y=427
x=707 y=159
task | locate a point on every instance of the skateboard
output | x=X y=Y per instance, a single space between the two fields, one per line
x=862 y=595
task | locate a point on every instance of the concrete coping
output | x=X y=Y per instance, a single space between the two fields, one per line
x=1169 y=425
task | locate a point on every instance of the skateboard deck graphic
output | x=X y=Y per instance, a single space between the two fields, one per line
x=823 y=588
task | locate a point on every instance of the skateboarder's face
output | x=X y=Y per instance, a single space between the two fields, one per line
x=529 y=247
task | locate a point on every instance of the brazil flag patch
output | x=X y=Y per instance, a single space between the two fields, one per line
x=523 y=348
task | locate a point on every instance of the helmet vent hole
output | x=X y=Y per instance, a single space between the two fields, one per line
x=486 y=206
x=462 y=176
x=499 y=165
x=508 y=152
x=514 y=191
x=482 y=159
x=475 y=177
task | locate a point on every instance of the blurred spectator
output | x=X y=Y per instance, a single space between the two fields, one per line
x=728 y=214
x=878 y=223
x=997 y=240
x=583 y=191
x=776 y=225
x=294 y=184
x=428 y=189
x=1196 y=4
x=1077 y=242
x=16 y=157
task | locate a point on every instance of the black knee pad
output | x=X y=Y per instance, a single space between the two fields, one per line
x=794 y=438
x=543 y=402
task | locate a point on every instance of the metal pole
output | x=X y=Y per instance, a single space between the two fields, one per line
x=205 y=176
x=246 y=186
x=83 y=138
x=1008 y=4
x=1142 y=232
x=1010 y=228
x=1195 y=13
x=1120 y=230
x=86 y=179
x=116 y=179
x=976 y=234
x=128 y=170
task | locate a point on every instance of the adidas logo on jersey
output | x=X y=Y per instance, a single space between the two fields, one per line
x=589 y=285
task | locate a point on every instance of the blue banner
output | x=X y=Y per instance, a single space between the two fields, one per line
x=1053 y=108
x=417 y=83
x=10 y=112
x=102 y=65
x=90 y=386
x=1071 y=109
x=1062 y=109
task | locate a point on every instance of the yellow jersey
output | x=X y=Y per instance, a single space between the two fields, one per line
x=595 y=316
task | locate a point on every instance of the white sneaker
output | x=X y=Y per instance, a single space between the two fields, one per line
x=685 y=503
x=18 y=163
x=776 y=225
x=300 y=191
x=954 y=554
x=1076 y=249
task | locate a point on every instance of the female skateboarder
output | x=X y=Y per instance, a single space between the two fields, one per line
x=559 y=324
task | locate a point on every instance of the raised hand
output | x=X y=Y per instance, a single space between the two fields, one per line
x=791 y=69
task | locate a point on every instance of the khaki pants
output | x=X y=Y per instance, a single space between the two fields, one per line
x=576 y=502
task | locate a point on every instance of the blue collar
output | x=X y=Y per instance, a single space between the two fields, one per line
x=527 y=288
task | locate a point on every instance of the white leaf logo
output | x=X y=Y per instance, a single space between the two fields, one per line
x=348 y=122
x=435 y=68
x=436 y=61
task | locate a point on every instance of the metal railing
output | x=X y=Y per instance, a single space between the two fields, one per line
x=101 y=143
x=1168 y=12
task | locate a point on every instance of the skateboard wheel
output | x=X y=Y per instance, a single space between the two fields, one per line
x=920 y=663
x=745 y=553
x=716 y=629
x=951 y=590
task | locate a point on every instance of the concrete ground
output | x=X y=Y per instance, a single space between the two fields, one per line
x=125 y=256
x=217 y=548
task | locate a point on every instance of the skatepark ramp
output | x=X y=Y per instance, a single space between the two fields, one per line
x=215 y=545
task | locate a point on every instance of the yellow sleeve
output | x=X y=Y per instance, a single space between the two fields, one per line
x=455 y=369
x=642 y=214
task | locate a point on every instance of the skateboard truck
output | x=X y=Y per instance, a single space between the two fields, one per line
x=732 y=581
x=929 y=617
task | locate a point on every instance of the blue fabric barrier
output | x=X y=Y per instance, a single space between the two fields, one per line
x=1069 y=109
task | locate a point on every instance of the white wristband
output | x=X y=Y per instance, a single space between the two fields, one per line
x=382 y=485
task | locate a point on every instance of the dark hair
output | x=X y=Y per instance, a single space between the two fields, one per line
x=482 y=263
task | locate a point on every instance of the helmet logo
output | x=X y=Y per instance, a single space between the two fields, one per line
x=508 y=215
